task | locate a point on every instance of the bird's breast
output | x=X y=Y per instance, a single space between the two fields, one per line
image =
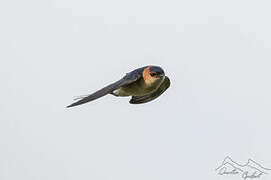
x=138 y=88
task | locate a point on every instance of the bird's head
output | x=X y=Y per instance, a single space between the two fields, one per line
x=152 y=74
x=156 y=72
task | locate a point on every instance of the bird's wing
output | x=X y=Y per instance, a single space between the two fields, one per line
x=127 y=79
x=149 y=97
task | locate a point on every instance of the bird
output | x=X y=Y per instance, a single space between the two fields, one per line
x=143 y=85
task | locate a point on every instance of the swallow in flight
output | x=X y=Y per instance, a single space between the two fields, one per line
x=143 y=84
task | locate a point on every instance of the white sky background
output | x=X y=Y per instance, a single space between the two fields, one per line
x=216 y=53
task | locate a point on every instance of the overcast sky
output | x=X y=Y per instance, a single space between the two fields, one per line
x=216 y=53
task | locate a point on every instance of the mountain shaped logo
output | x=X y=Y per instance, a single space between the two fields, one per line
x=250 y=170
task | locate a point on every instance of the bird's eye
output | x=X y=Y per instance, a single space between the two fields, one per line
x=152 y=74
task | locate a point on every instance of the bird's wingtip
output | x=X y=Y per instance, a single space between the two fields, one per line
x=69 y=106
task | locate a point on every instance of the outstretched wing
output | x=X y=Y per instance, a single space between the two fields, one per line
x=127 y=79
x=149 y=97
